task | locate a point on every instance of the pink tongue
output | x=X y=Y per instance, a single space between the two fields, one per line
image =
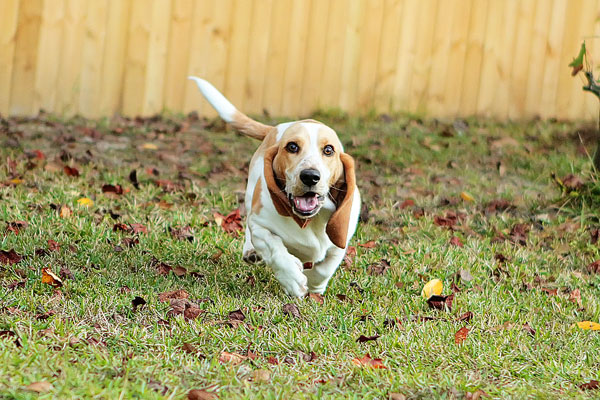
x=306 y=203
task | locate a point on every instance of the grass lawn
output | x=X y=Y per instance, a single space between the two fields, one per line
x=472 y=203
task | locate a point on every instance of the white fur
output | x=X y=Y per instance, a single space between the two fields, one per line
x=225 y=109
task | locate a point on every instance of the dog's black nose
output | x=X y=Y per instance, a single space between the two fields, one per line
x=310 y=176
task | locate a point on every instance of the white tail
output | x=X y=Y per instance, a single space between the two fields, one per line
x=229 y=113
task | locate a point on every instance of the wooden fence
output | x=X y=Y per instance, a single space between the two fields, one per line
x=500 y=58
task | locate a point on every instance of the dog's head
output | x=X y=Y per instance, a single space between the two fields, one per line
x=305 y=167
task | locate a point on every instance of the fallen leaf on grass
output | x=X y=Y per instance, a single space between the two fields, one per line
x=231 y=358
x=589 y=325
x=467 y=197
x=378 y=268
x=112 y=189
x=575 y=297
x=53 y=245
x=476 y=395
x=16 y=226
x=407 y=203
x=465 y=275
x=231 y=223
x=198 y=394
x=363 y=338
x=572 y=182
x=368 y=245
x=465 y=317
x=237 y=315
x=367 y=361
x=39 y=387
x=291 y=310
x=71 y=171
x=182 y=233
x=85 y=201
x=316 y=297
x=591 y=385
x=433 y=287
x=528 y=329
x=65 y=212
x=175 y=294
x=594 y=267
x=455 y=240
x=550 y=292
x=10 y=257
x=184 y=307
x=149 y=146
x=10 y=334
x=461 y=335
x=261 y=375
x=519 y=234
x=441 y=302
x=137 y=302
x=50 y=278
x=396 y=396
x=349 y=257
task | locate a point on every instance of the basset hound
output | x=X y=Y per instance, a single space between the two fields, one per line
x=301 y=199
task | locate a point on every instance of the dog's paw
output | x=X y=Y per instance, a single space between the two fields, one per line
x=251 y=257
x=293 y=281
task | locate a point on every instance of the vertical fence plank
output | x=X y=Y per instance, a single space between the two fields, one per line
x=8 y=29
x=535 y=76
x=25 y=58
x=292 y=86
x=331 y=78
x=314 y=55
x=277 y=57
x=137 y=54
x=391 y=27
x=68 y=82
x=49 y=50
x=490 y=76
x=521 y=59
x=469 y=89
x=434 y=100
x=235 y=75
x=407 y=50
x=352 y=55
x=157 y=57
x=218 y=43
x=453 y=82
x=113 y=58
x=93 y=50
x=258 y=47
x=422 y=63
x=369 y=49
x=178 y=54
x=552 y=61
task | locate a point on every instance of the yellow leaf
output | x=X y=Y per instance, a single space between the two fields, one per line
x=585 y=325
x=84 y=201
x=466 y=196
x=16 y=181
x=433 y=287
x=50 y=278
x=149 y=146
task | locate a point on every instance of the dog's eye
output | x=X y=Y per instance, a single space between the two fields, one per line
x=292 y=147
x=328 y=150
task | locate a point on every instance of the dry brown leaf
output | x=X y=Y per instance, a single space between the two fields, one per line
x=198 y=394
x=367 y=361
x=318 y=298
x=39 y=387
x=175 y=294
x=292 y=310
x=50 y=278
x=231 y=358
x=261 y=375
x=461 y=335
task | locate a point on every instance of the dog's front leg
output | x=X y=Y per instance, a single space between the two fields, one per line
x=320 y=274
x=287 y=268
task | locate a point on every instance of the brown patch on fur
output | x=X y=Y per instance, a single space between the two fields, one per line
x=256 y=202
x=333 y=162
x=250 y=127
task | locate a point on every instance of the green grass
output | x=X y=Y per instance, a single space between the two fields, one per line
x=95 y=346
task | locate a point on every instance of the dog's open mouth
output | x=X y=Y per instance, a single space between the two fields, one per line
x=307 y=204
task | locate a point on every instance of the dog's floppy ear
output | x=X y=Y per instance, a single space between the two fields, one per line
x=278 y=196
x=343 y=193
